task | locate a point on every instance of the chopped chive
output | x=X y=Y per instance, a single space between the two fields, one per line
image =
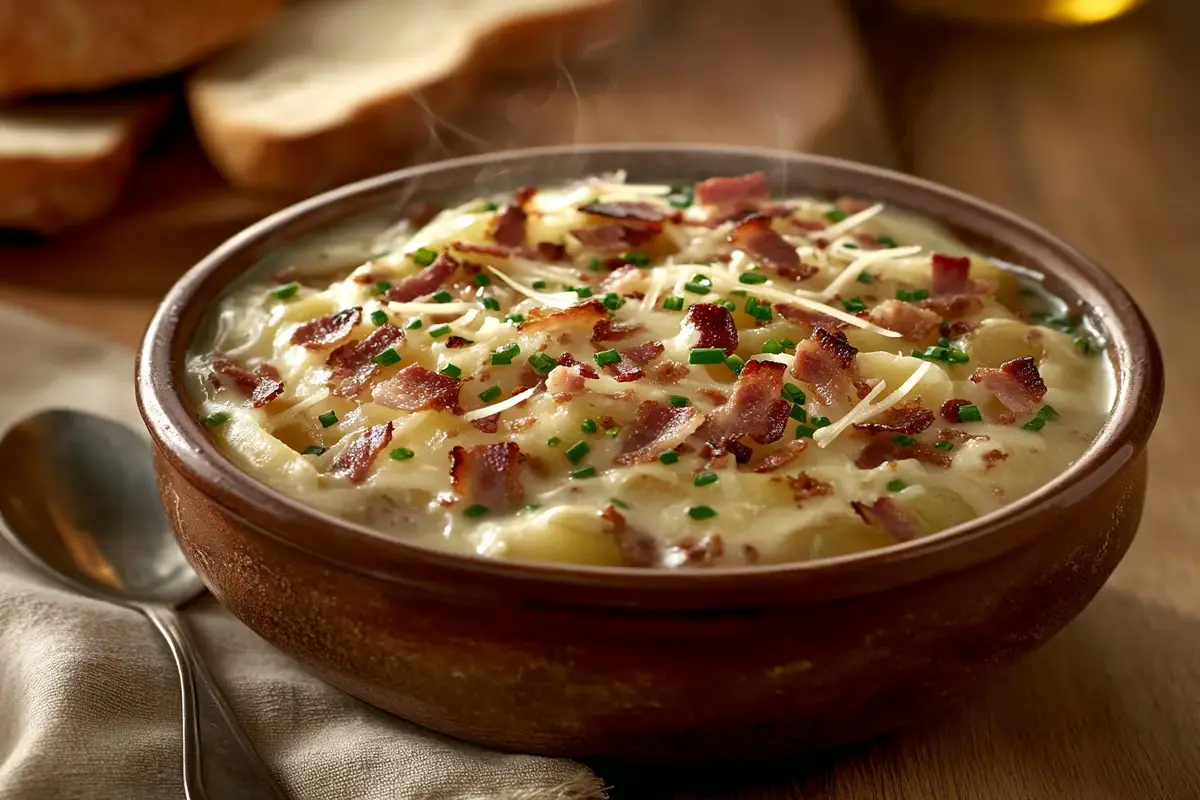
x=705 y=478
x=379 y=317
x=475 y=511
x=554 y=441
x=582 y=291
x=669 y=457
x=835 y=215
x=738 y=292
x=401 y=454
x=728 y=305
x=618 y=502
x=612 y=433
x=904 y=294
x=413 y=324
x=506 y=354
x=944 y=342
x=955 y=356
x=381 y=287
x=577 y=452
x=583 y=473
x=854 y=305
x=798 y=413
x=538 y=284
x=772 y=346
x=636 y=258
x=442 y=297
x=612 y=301
x=751 y=304
x=489 y=394
x=673 y=303
x=706 y=355
x=903 y=441
x=328 y=418
x=943 y=445
x=387 y=357
x=482 y=279
x=1048 y=413
x=424 y=256
x=735 y=364
x=516 y=319
x=886 y=241
x=284 y=292
x=752 y=277
x=542 y=363
x=490 y=303
x=805 y=431
x=589 y=426
x=920 y=294
x=696 y=288
x=680 y=197
x=701 y=512
x=850 y=245
x=439 y=330
x=896 y=485
x=761 y=312
x=1085 y=345
x=218 y=418
x=865 y=277
x=491 y=207
x=820 y=422
x=969 y=414
x=313 y=450
x=932 y=354
x=678 y=401
x=594 y=264
x=606 y=357
x=452 y=370
x=793 y=393
x=1035 y=424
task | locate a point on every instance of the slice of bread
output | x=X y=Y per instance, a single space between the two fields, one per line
x=64 y=162
x=338 y=89
x=72 y=45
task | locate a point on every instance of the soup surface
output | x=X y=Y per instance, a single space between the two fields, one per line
x=649 y=376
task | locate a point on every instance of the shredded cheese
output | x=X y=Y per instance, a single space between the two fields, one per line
x=848 y=224
x=554 y=300
x=275 y=420
x=429 y=308
x=855 y=268
x=865 y=410
x=503 y=405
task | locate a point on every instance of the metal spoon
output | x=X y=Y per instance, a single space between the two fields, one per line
x=79 y=500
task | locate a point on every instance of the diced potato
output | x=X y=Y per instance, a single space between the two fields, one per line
x=563 y=535
x=934 y=388
x=996 y=341
x=937 y=507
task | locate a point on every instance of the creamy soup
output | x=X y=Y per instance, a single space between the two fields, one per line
x=650 y=376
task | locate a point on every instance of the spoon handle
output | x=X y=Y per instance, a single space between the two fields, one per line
x=217 y=756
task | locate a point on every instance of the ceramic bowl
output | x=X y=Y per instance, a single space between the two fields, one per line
x=663 y=666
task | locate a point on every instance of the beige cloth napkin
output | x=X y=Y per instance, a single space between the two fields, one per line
x=89 y=705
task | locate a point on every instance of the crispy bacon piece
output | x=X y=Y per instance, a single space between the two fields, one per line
x=488 y=475
x=955 y=436
x=415 y=388
x=954 y=306
x=755 y=235
x=826 y=363
x=950 y=274
x=783 y=456
x=908 y=418
x=993 y=457
x=627 y=211
x=715 y=325
x=803 y=316
x=692 y=553
x=355 y=461
x=351 y=363
x=655 y=429
x=585 y=315
x=892 y=517
x=564 y=382
x=617 y=236
x=882 y=449
x=262 y=385
x=643 y=354
x=1017 y=384
x=953 y=330
x=524 y=194
x=745 y=191
x=427 y=281
x=457 y=342
x=608 y=331
x=487 y=424
x=551 y=251
x=568 y=360
x=755 y=410
x=906 y=319
x=508 y=226
x=805 y=487
x=473 y=248
x=949 y=410
x=638 y=548
x=327 y=331
x=668 y=372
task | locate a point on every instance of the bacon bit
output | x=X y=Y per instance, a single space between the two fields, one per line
x=655 y=429
x=750 y=553
x=755 y=235
x=524 y=194
x=802 y=316
x=826 y=363
x=643 y=354
x=907 y=418
x=894 y=518
x=622 y=278
x=327 y=331
x=427 y=281
x=564 y=382
x=262 y=385
x=568 y=360
x=950 y=274
x=715 y=397
x=589 y=314
x=1017 y=384
x=756 y=409
x=351 y=363
x=804 y=487
x=949 y=410
x=715 y=325
x=496 y=250
x=783 y=456
x=624 y=371
x=867 y=242
x=616 y=237
x=1006 y=418
x=457 y=342
x=551 y=251
x=627 y=211
x=953 y=330
x=508 y=226
x=954 y=306
x=415 y=388
x=668 y=372
x=638 y=548
x=993 y=457
x=355 y=461
x=608 y=331
x=487 y=424
x=487 y=474
x=882 y=449
x=520 y=423
x=703 y=552
x=904 y=318
x=955 y=436
x=746 y=191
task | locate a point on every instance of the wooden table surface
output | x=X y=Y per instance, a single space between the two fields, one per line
x=1093 y=133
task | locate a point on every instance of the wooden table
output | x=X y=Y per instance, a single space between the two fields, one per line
x=1095 y=134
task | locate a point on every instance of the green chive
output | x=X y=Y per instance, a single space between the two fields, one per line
x=957 y=356
x=413 y=324
x=451 y=370
x=424 y=256
x=577 y=452
x=284 y=292
x=618 y=502
x=705 y=478
x=835 y=215
x=761 y=313
x=896 y=485
x=313 y=450
x=969 y=414
x=696 y=288
x=752 y=277
x=382 y=286
x=442 y=297
x=542 y=363
x=788 y=344
x=475 y=511
x=506 y=354
x=1085 y=345
x=1048 y=413
x=920 y=294
x=554 y=441
x=636 y=258
x=379 y=317
x=680 y=197
x=734 y=363
x=854 y=305
x=820 y=422
x=401 y=454
x=582 y=291
x=482 y=279
x=701 y=512
x=538 y=284
x=491 y=207
x=583 y=473
x=772 y=346
x=387 y=357
x=943 y=342
x=606 y=357
x=673 y=303
x=612 y=433
x=589 y=426
x=440 y=330
x=932 y=354
x=328 y=418
x=728 y=305
x=943 y=445
x=904 y=294
x=612 y=301
x=516 y=319
x=865 y=277
x=490 y=303
x=903 y=441
x=805 y=431
x=751 y=304
x=678 y=401
x=706 y=355
x=886 y=241
x=669 y=457
x=489 y=394
x=793 y=393
x=1035 y=424
x=738 y=292
x=594 y=264
x=798 y=413
x=219 y=418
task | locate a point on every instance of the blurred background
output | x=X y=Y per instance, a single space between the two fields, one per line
x=135 y=136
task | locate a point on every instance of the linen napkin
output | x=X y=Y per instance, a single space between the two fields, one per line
x=89 y=703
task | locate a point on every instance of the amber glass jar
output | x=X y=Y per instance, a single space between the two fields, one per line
x=1052 y=12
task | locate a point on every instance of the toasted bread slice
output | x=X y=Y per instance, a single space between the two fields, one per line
x=74 y=45
x=338 y=89
x=64 y=162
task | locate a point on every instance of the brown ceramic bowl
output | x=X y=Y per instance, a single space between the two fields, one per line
x=748 y=662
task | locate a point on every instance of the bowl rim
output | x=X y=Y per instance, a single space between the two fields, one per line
x=1137 y=363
